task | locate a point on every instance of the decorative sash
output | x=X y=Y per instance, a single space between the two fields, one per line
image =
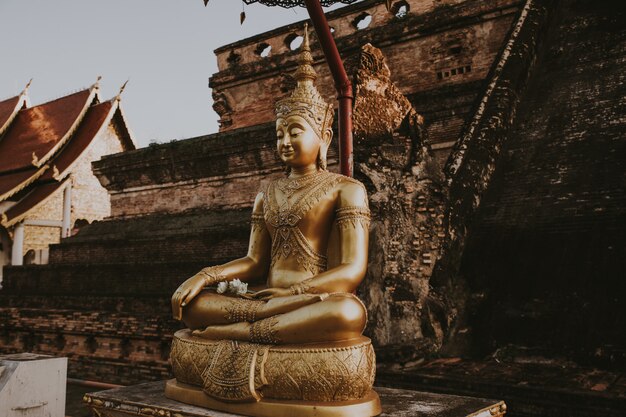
x=236 y=371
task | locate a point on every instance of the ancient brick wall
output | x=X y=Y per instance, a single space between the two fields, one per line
x=404 y=183
x=193 y=236
x=436 y=45
x=101 y=333
x=105 y=296
x=470 y=167
x=419 y=47
x=418 y=231
x=221 y=172
x=546 y=257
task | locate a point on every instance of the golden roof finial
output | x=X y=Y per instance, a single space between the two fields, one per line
x=119 y=95
x=97 y=83
x=27 y=86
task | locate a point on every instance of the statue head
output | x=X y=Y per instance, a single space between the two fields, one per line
x=304 y=117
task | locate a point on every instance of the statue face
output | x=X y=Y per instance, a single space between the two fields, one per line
x=297 y=143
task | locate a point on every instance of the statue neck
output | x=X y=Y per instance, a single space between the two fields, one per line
x=297 y=172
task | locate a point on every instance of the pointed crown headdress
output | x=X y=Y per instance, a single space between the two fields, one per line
x=305 y=100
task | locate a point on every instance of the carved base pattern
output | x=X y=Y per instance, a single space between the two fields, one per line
x=340 y=371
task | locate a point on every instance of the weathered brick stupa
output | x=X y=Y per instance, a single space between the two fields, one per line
x=490 y=136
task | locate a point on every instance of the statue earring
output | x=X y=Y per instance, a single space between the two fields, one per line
x=321 y=161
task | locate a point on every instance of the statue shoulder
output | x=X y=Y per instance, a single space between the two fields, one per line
x=352 y=192
x=265 y=186
x=259 y=203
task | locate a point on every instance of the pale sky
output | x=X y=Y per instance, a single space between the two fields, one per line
x=165 y=48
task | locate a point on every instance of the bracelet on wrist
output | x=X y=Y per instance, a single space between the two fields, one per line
x=212 y=275
x=300 y=288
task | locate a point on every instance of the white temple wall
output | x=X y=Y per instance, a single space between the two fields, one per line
x=90 y=201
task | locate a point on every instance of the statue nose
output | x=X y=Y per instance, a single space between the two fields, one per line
x=286 y=141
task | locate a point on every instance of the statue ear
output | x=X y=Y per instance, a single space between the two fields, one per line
x=327 y=136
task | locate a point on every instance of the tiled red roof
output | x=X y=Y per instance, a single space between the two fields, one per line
x=38 y=195
x=57 y=133
x=90 y=125
x=7 y=107
x=119 y=122
x=12 y=183
x=40 y=130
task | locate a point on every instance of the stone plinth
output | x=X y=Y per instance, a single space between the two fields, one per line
x=149 y=400
x=32 y=385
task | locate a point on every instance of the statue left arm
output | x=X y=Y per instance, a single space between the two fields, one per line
x=352 y=218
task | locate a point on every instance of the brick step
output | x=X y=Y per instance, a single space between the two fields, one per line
x=147 y=306
x=161 y=225
x=205 y=247
x=105 y=280
x=193 y=235
x=119 y=372
x=105 y=359
x=101 y=323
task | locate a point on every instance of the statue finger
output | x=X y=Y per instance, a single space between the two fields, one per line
x=175 y=300
x=199 y=333
x=176 y=310
x=262 y=293
x=187 y=297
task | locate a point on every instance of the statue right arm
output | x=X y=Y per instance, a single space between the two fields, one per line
x=253 y=266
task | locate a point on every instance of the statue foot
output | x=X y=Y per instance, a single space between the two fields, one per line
x=281 y=305
x=235 y=331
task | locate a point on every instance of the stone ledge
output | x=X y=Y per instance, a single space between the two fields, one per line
x=149 y=400
x=530 y=383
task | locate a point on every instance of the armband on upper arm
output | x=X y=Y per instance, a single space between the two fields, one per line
x=352 y=216
x=257 y=221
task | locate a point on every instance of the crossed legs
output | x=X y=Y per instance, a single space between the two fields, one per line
x=305 y=318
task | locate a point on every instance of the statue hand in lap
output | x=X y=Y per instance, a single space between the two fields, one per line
x=308 y=244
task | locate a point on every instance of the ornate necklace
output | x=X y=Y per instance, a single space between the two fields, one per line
x=289 y=186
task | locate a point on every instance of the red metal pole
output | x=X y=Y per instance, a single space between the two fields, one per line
x=342 y=83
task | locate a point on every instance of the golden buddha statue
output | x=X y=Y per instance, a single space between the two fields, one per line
x=294 y=346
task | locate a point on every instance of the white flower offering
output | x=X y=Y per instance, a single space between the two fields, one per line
x=243 y=288
x=237 y=287
x=222 y=287
x=233 y=287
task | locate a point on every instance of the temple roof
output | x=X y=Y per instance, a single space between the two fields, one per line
x=42 y=144
x=10 y=107
x=34 y=198
x=12 y=183
x=37 y=132
x=93 y=121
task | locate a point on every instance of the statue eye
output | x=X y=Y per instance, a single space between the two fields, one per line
x=295 y=132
